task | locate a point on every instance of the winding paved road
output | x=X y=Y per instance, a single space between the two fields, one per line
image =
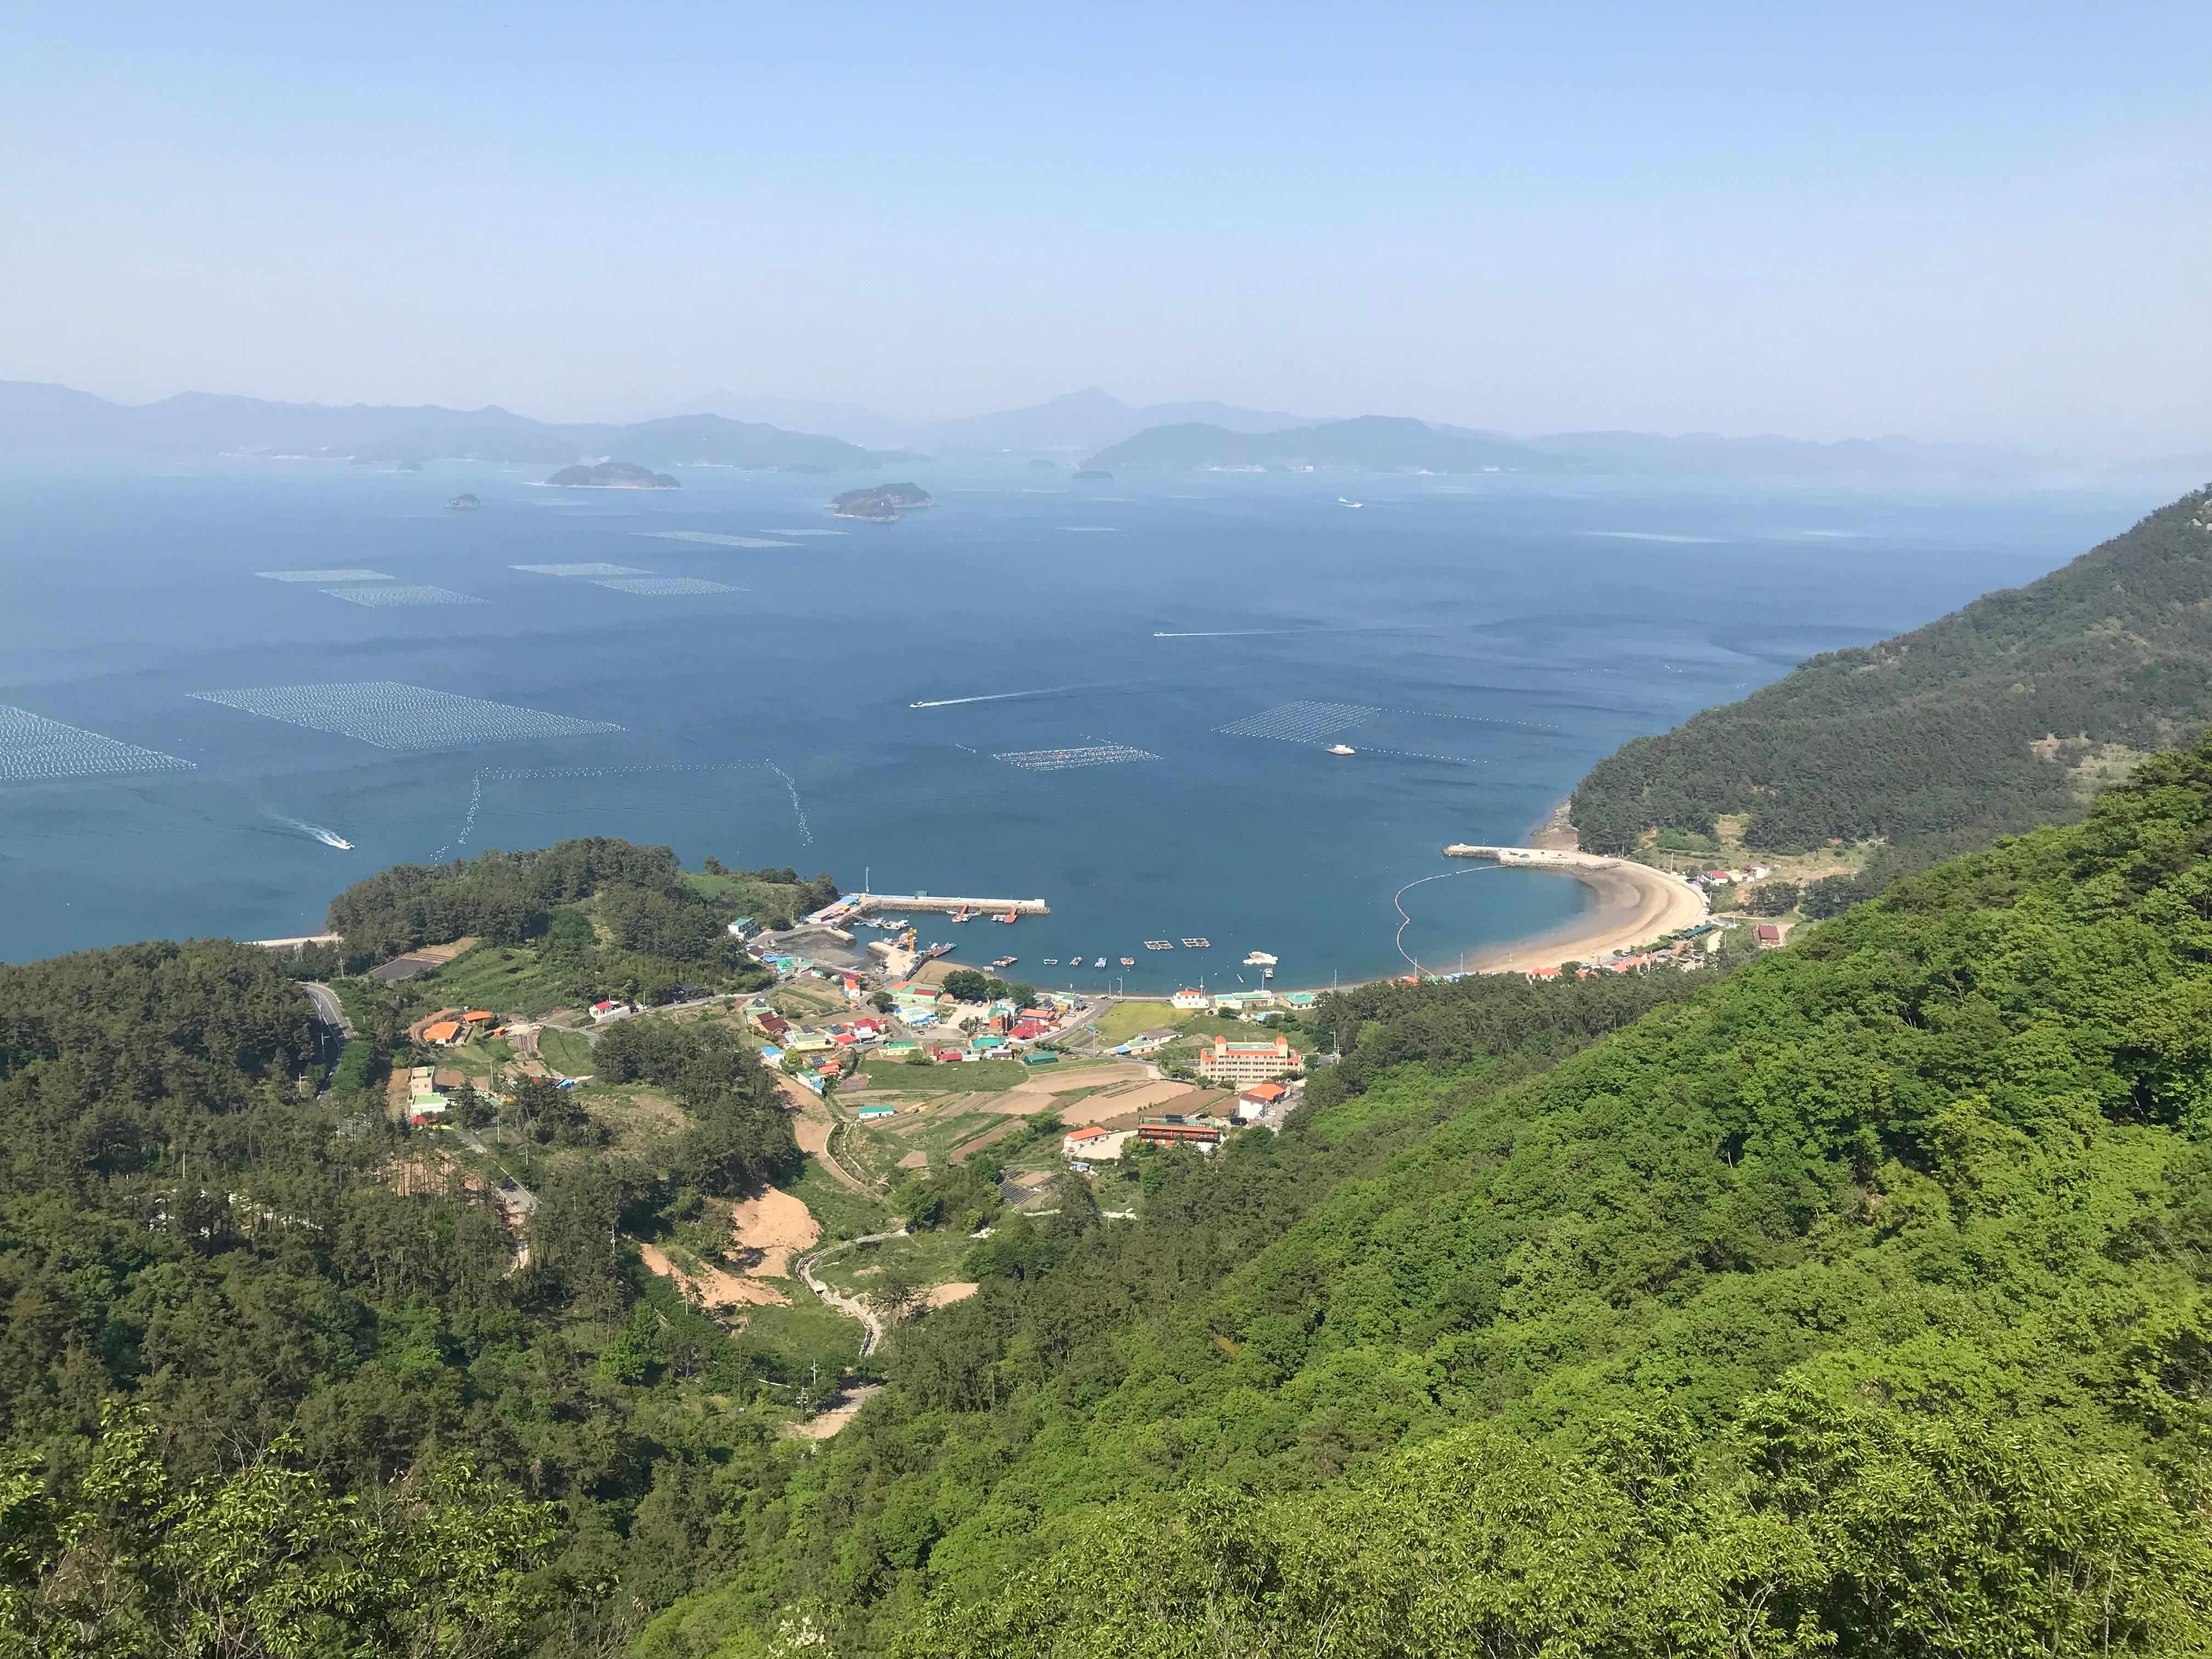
x=333 y=1030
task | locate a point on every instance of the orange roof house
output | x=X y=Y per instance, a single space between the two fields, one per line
x=444 y=1031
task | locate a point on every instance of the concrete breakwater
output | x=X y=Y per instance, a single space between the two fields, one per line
x=1529 y=855
x=986 y=906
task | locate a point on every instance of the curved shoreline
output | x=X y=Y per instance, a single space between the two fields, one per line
x=1636 y=904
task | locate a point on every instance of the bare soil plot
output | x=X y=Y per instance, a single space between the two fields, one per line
x=826 y=1423
x=713 y=1287
x=415 y=962
x=1113 y=1102
x=941 y=1296
x=916 y=1159
x=772 y=1224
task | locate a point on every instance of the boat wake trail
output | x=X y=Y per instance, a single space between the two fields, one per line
x=328 y=837
x=1001 y=696
x=805 y=833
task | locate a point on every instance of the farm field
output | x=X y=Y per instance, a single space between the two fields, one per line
x=565 y=1052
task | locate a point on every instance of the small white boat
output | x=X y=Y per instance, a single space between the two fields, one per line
x=1341 y=749
x=1344 y=502
x=1101 y=963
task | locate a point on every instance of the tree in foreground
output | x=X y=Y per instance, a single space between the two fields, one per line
x=261 y=1561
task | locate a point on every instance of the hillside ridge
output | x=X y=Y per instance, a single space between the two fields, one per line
x=1943 y=738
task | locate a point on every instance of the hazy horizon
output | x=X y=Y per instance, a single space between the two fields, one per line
x=1988 y=225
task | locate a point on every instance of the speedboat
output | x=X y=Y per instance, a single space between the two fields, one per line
x=1101 y=963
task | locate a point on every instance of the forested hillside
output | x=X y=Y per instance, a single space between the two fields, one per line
x=1852 y=1299
x=270 y=1383
x=1857 y=1304
x=608 y=914
x=1937 y=739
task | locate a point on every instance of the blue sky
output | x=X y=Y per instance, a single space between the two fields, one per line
x=1955 y=221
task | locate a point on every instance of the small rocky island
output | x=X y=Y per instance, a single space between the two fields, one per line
x=1093 y=475
x=880 y=505
x=611 y=475
x=464 y=503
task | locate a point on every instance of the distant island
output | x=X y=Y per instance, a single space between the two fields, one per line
x=612 y=475
x=464 y=503
x=880 y=505
x=1092 y=475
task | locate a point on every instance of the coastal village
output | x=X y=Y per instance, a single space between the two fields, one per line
x=897 y=1063
x=894 y=1064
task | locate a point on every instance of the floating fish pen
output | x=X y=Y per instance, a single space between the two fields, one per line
x=664 y=587
x=593 y=569
x=380 y=597
x=1299 y=722
x=1062 y=759
x=35 y=750
x=1197 y=944
x=391 y=715
x=1158 y=945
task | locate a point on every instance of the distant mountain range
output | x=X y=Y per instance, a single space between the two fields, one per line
x=1381 y=443
x=1090 y=427
x=1078 y=422
x=199 y=423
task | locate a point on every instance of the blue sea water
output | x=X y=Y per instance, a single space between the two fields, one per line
x=1502 y=634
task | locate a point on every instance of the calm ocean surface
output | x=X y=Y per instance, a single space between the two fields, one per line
x=1506 y=633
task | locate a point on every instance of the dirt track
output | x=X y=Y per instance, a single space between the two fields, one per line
x=812 y=1131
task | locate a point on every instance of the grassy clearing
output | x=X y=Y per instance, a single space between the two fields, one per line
x=790 y=1340
x=645 y=1123
x=840 y=1211
x=800 y=1001
x=1125 y=1019
x=566 y=1052
x=922 y=1259
x=965 y=1077
x=760 y=900
x=506 y=979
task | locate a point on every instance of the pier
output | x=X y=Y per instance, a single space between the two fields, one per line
x=1528 y=855
x=862 y=903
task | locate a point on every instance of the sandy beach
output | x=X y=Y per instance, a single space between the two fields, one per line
x=1635 y=905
